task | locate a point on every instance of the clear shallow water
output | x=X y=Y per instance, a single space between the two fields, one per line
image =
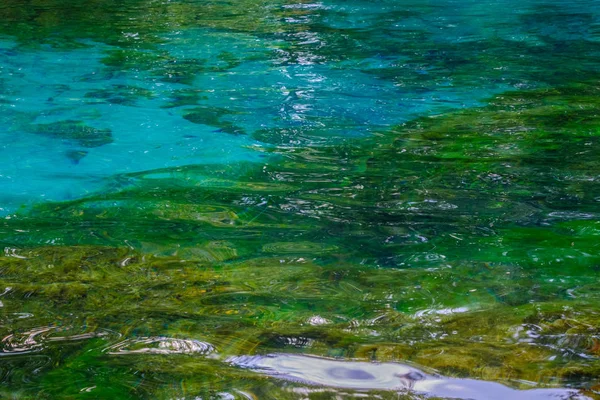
x=186 y=181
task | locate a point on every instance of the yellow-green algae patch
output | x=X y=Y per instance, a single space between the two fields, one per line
x=269 y=304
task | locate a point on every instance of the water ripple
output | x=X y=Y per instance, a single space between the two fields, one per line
x=33 y=341
x=160 y=345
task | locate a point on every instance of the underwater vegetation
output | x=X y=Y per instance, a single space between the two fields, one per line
x=447 y=242
x=404 y=182
x=75 y=131
x=120 y=94
x=213 y=117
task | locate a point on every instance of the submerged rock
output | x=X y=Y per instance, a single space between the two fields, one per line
x=387 y=376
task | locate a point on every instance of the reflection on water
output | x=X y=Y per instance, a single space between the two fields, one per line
x=396 y=182
x=160 y=345
x=33 y=340
x=397 y=377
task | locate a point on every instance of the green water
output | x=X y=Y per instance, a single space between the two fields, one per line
x=404 y=181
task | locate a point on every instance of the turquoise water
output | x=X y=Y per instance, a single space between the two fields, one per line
x=412 y=183
x=319 y=71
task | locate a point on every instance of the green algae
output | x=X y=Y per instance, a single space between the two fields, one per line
x=464 y=242
x=185 y=97
x=120 y=94
x=74 y=131
x=214 y=116
x=462 y=301
x=159 y=64
x=264 y=304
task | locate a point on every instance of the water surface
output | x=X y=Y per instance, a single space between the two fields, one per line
x=400 y=182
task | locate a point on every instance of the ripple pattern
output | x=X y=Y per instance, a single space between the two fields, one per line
x=160 y=345
x=34 y=340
